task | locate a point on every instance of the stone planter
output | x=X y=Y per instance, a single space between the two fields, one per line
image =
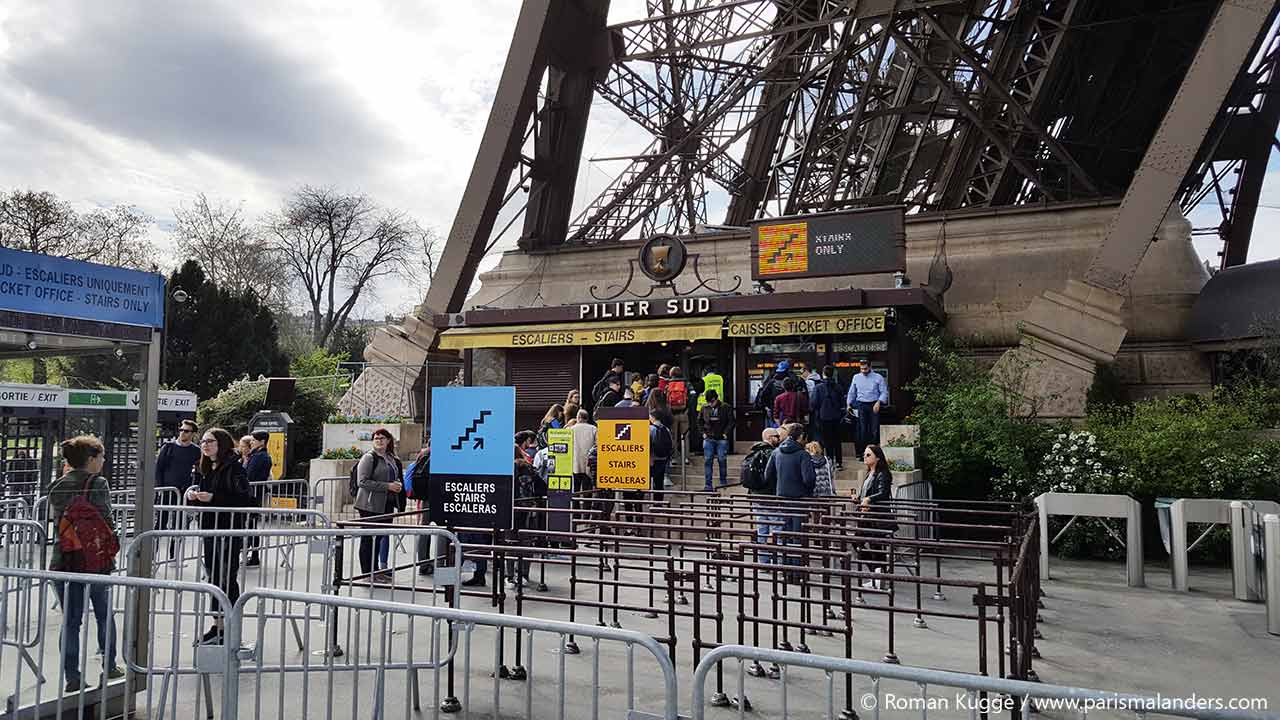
x=903 y=479
x=904 y=455
x=408 y=436
x=332 y=494
x=899 y=435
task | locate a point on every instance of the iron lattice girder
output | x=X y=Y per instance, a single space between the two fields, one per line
x=1232 y=162
x=727 y=119
x=738 y=21
x=1016 y=121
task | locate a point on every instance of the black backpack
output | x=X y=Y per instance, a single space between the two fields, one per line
x=767 y=394
x=662 y=445
x=353 y=483
x=753 y=467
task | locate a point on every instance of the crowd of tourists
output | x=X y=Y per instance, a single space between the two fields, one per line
x=798 y=456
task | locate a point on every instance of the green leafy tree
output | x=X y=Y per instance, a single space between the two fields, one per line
x=973 y=432
x=234 y=406
x=315 y=364
x=218 y=336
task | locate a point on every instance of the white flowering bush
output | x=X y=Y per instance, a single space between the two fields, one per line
x=1077 y=463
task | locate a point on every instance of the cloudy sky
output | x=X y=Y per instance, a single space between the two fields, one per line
x=149 y=103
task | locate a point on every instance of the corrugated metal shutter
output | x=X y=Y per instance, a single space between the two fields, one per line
x=542 y=377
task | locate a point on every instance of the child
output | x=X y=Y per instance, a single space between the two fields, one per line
x=824 y=486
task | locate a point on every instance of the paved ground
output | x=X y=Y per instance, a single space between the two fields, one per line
x=1097 y=633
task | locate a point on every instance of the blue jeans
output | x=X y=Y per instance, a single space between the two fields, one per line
x=868 y=424
x=793 y=526
x=716 y=449
x=765 y=527
x=73 y=613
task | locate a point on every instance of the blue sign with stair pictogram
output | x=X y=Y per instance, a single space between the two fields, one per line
x=472 y=430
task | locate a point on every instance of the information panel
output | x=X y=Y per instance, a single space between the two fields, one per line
x=622 y=449
x=560 y=479
x=48 y=285
x=472 y=456
x=846 y=243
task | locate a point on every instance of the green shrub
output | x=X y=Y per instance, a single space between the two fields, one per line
x=1165 y=442
x=351 y=453
x=969 y=438
x=233 y=407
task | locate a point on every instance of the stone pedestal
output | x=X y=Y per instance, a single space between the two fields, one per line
x=1064 y=335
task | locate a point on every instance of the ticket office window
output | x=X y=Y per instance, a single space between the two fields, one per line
x=846 y=355
x=764 y=354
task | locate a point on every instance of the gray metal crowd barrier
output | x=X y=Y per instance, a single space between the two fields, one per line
x=1271 y=534
x=155 y=650
x=381 y=676
x=1093 y=505
x=1211 y=512
x=15 y=508
x=978 y=695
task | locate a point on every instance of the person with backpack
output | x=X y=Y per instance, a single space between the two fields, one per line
x=617 y=370
x=416 y=479
x=769 y=392
x=530 y=492
x=661 y=445
x=612 y=394
x=379 y=486
x=828 y=411
x=792 y=406
x=716 y=421
x=222 y=483
x=754 y=480
x=87 y=542
x=258 y=469
x=791 y=470
x=678 y=401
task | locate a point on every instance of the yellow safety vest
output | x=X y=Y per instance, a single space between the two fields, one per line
x=711 y=381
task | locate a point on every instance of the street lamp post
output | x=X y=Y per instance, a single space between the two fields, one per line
x=179 y=296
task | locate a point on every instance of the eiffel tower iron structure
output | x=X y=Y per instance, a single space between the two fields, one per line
x=768 y=108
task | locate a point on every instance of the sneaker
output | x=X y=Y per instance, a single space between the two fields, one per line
x=115 y=672
x=384 y=577
x=839 y=467
x=708 y=488
x=475 y=581
x=73 y=685
x=213 y=633
x=252 y=561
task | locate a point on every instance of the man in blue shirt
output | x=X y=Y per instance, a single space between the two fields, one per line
x=867 y=393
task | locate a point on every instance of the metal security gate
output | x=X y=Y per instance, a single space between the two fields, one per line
x=25 y=455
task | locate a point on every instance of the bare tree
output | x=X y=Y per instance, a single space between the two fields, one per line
x=421 y=268
x=232 y=252
x=41 y=223
x=119 y=235
x=335 y=246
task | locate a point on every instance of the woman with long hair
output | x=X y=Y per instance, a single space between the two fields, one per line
x=222 y=484
x=573 y=398
x=657 y=404
x=554 y=417
x=380 y=479
x=876 y=492
x=244 y=449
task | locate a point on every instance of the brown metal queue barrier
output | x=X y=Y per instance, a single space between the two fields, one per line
x=675 y=546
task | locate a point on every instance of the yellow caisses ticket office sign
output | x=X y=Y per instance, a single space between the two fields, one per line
x=622 y=449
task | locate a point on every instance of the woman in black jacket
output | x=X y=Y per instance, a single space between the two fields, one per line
x=877 y=491
x=222 y=484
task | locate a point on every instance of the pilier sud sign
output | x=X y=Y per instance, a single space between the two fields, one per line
x=47 y=285
x=845 y=243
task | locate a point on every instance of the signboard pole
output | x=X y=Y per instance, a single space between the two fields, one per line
x=149 y=389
